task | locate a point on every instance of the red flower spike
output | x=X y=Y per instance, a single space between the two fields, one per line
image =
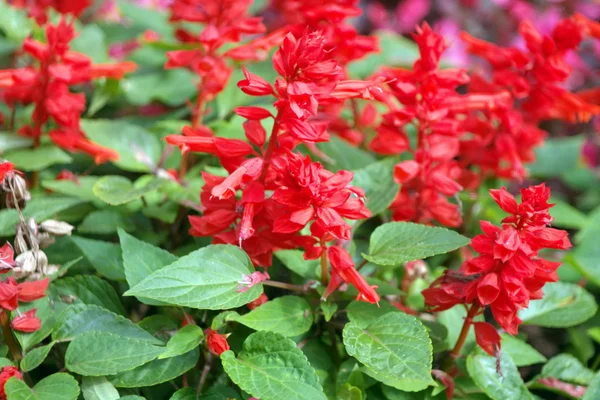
x=7 y=373
x=216 y=343
x=7 y=257
x=27 y=322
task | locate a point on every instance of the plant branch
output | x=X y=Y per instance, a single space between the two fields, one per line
x=9 y=338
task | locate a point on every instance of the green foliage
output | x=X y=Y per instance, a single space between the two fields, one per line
x=397 y=242
x=58 y=386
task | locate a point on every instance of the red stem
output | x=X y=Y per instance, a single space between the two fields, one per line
x=13 y=346
x=270 y=150
x=473 y=311
x=324 y=277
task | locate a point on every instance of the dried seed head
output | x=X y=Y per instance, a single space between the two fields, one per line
x=45 y=239
x=29 y=262
x=56 y=228
x=20 y=242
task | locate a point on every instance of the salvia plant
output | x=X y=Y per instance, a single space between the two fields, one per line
x=238 y=199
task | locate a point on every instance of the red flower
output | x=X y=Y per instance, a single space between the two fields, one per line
x=487 y=337
x=27 y=322
x=508 y=272
x=5 y=169
x=216 y=342
x=7 y=373
x=262 y=299
x=342 y=270
x=9 y=294
x=33 y=290
x=7 y=257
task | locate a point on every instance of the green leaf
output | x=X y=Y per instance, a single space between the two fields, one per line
x=58 y=386
x=185 y=394
x=563 y=305
x=294 y=261
x=14 y=22
x=105 y=257
x=157 y=371
x=186 y=339
x=377 y=180
x=344 y=155
x=522 y=353
x=39 y=208
x=207 y=278
x=220 y=392
x=87 y=289
x=271 y=367
x=287 y=315
x=328 y=309
x=91 y=41
x=10 y=141
x=567 y=368
x=98 y=388
x=38 y=158
x=102 y=353
x=397 y=242
x=567 y=216
x=126 y=139
x=141 y=260
x=349 y=392
x=557 y=156
x=509 y=385
x=116 y=190
x=593 y=390
x=80 y=189
x=362 y=313
x=105 y=222
x=171 y=87
x=34 y=358
x=395 y=348
x=79 y=319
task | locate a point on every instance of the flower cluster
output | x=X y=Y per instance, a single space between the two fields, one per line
x=425 y=100
x=38 y=9
x=282 y=192
x=13 y=293
x=508 y=272
x=47 y=86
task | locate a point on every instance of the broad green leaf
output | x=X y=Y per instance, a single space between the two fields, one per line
x=349 y=392
x=79 y=319
x=157 y=371
x=172 y=87
x=126 y=139
x=523 y=354
x=220 y=392
x=377 y=180
x=287 y=315
x=294 y=261
x=91 y=41
x=186 y=339
x=362 y=313
x=567 y=368
x=105 y=257
x=141 y=18
x=222 y=318
x=98 y=388
x=102 y=353
x=557 y=156
x=105 y=222
x=38 y=158
x=593 y=390
x=567 y=216
x=207 y=278
x=438 y=333
x=141 y=260
x=116 y=190
x=87 y=289
x=563 y=305
x=391 y=393
x=35 y=357
x=10 y=141
x=14 y=22
x=80 y=189
x=396 y=51
x=58 y=386
x=395 y=348
x=271 y=367
x=344 y=155
x=185 y=394
x=508 y=385
x=586 y=254
x=394 y=243
x=39 y=208
x=47 y=315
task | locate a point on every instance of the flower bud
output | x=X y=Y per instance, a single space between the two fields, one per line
x=216 y=342
x=56 y=228
x=45 y=240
